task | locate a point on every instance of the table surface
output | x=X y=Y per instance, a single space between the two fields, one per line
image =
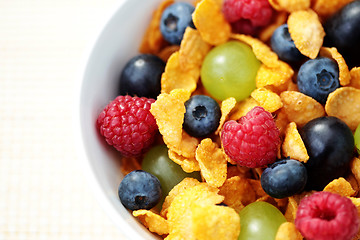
x=43 y=192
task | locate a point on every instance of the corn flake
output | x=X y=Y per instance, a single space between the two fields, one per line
x=278 y=77
x=168 y=111
x=153 y=40
x=215 y=222
x=307 y=32
x=187 y=164
x=281 y=121
x=212 y=161
x=291 y=209
x=355 y=168
x=267 y=99
x=193 y=50
x=179 y=188
x=327 y=8
x=238 y=192
x=293 y=146
x=154 y=222
x=243 y=107
x=226 y=106
x=355 y=77
x=288 y=231
x=211 y=23
x=344 y=103
x=344 y=73
x=174 y=77
x=301 y=108
x=262 y=52
x=290 y=6
x=266 y=33
x=167 y=51
x=180 y=212
x=341 y=187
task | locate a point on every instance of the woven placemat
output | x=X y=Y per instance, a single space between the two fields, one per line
x=43 y=193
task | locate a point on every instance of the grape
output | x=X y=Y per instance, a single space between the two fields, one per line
x=357 y=138
x=260 y=220
x=229 y=70
x=158 y=163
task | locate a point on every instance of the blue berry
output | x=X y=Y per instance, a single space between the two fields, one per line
x=330 y=145
x=284 y=178
x=141 y=76
x=174 y=20
x=318 y=77
x=282 y=43
x=202 y=116
x=343 y=32
x=139 y=190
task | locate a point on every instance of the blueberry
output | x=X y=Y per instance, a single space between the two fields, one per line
x=284 y=46
x=174 y=20
x=141 y=76
x=330 y=145
x=202 y=116
x=343 y=32
x=139 y=190
x=284 y=178
x=318 y=77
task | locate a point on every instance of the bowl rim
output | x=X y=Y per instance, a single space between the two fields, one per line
x=85 y=167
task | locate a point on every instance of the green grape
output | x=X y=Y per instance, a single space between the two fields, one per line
x=357 y=138
x=260 y=221
x=229 y=70
x=158 y=163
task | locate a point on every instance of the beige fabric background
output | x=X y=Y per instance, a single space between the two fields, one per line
x=43 y=192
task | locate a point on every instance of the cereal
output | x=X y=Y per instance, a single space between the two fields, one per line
x=245 y=193
x=340 y=186
x=153 y=40
x=192 y=209
x=300 y=108
x=288 y=231
x=174 y=77
x=180 y=214
x=290 y=6
x=179 y=188
x=344 y=73
x=276 y=77
x=226 y=107
x=188 y=164
x=355 y=77
x=307 y=32
x=267 y=99
x=326 y=8
x=221 y=222
x=344 y=103
x=169 y=111
x=212 y=162
x=210 y=22
x=260 y=49
x=193 y=50
x=293 y=146
x=154 y=222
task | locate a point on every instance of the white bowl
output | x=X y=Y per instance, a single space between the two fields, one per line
x=118 y=41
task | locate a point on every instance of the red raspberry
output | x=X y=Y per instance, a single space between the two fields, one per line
x=327 y=216
x=127 y=124
x=253 y=141
x=257 y=12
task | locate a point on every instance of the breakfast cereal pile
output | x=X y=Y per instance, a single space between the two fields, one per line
x=241 y=120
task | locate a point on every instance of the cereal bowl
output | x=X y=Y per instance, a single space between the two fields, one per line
x=116 y=43
x=286 y=106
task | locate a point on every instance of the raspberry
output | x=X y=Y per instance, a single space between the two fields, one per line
x=325 y=215
x=127 y=124
x=257 y=12
x=253 y=141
